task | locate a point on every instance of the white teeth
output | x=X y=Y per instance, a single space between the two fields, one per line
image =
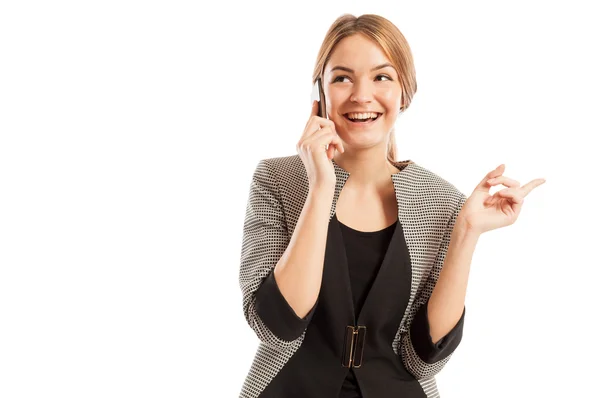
x=362 y=115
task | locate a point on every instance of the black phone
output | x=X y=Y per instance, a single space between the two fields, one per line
x=322 y=106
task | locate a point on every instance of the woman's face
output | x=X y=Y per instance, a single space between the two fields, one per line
x=359 y=78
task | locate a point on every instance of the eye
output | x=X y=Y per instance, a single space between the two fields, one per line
x=337 y=79
x=341 y=77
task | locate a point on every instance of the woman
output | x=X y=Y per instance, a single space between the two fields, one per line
x=354 y=266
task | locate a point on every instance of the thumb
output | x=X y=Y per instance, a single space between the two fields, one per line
x=315 y=108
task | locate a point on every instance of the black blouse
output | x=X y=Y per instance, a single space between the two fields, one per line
x=365 y=252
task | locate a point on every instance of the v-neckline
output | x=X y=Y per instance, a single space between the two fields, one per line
x=341 y=178
x=357 y=317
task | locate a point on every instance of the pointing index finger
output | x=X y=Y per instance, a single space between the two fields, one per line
x=531 y=185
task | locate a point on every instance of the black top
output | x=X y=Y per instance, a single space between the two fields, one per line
x=365 y=252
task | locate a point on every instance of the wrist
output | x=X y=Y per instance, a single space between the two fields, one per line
x=462 y=227
x=322 y=190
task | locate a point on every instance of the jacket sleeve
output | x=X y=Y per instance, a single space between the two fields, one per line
x=265 y=239
x=420 y=355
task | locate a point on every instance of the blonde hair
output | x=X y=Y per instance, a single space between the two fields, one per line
x=392 y=42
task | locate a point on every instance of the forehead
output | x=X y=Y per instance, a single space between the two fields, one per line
x=357 y=52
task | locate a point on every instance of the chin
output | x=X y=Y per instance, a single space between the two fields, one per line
x=356 y=141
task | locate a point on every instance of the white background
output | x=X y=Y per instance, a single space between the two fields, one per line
x=129 y=134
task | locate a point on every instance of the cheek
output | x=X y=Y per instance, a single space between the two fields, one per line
x=390 y=97
x=334 y=98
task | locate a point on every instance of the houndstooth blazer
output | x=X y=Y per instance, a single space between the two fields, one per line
x=392 y=351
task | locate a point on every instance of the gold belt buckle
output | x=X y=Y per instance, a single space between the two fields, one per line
x=354 y=345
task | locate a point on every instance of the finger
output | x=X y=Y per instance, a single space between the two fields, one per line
x=337 y=143
x=319 y=135
x=509 y=182
x=489 y=201
x=492 y=200
x=330 y=152
x=510 y=193
x=525 y=189
x=326 y=136
x=314 y=124
x=317 y=140
x=483 y=185
x=315 y=108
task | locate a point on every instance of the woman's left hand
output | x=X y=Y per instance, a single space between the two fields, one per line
x=483 y=212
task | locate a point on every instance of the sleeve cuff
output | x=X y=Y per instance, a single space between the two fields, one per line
x=277 y=314
x=421 y=337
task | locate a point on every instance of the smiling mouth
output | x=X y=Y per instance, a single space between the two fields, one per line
x=362 y=121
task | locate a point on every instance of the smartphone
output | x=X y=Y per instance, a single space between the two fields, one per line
x=319 y=95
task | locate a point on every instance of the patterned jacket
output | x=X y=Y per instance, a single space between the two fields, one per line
x=388 y=346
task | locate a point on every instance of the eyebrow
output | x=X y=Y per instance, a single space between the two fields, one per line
x=351 y=71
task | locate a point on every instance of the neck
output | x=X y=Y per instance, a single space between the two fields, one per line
x=369 y=167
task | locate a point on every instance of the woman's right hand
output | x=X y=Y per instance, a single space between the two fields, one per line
x=319 y=134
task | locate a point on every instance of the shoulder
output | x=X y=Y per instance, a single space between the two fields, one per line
x=283 y=168
x=434 y=187
x=283 y=163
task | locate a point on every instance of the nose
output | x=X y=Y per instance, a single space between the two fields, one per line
x=361 y=93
